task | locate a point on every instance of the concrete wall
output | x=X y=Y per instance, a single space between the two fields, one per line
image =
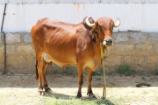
x=21 y=17
x=138 y=49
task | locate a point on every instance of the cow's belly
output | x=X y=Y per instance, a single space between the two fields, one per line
x=61 y=63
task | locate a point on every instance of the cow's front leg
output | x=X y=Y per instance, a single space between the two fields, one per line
x=89 y=79
x=80 y=81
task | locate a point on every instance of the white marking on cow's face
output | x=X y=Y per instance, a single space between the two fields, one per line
x=104 y=42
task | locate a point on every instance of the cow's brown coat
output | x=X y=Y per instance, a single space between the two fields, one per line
x=70 y=44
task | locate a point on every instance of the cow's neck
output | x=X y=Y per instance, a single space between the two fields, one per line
x=97 y=51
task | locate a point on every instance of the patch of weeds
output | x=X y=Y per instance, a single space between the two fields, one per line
x=104 y=102
x=144 y=73
x=156 y=71
x=125 y=69
x=73 y=101
x=153 y=79
x=143 y=78
x=71 y=97
x=110 y=72
x=139 y=73
x=98 y=72
x=70 y=70
x=98 y=78
x=57 y=97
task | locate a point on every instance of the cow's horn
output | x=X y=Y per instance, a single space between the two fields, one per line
x=117 y=23
x=88 y=23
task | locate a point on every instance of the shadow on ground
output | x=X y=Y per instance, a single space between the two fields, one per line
x=69 y=97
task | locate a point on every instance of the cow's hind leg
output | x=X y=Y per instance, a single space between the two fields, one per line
x=40 y=71
x=80 y=81
x=45 y=84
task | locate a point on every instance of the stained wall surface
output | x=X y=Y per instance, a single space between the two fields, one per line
x=134 y=16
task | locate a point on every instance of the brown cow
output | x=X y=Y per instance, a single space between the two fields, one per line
x=71 y=44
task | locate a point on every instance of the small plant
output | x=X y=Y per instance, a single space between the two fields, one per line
x=157 y=71
x=98 y=78
x=97 y=73
x=143 y=78
x=110 y=72
x=69 y=70
x=125 y=69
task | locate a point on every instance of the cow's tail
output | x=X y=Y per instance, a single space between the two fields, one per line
x=36 y=70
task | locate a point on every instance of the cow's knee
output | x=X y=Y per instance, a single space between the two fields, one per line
x=81 y=81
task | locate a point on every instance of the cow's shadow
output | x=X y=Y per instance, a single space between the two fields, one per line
x=69 y=97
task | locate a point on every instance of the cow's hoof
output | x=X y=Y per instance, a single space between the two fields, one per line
x=41 y=93
x=79 y=95
x=91 y=96
x=48 y=90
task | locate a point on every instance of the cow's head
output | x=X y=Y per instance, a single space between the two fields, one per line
x=103 y=28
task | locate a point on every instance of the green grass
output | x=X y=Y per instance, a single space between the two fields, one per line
x=98 y=78
x=156 y=71
x=73 y=101
x=110 y=72
x=125 y=69
x=143 y=78
x=99 y=72
x=69 y=70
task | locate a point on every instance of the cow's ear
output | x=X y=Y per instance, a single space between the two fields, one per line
x=94 y=32
x=93 y=38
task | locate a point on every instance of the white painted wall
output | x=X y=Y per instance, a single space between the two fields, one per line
x=21 y=17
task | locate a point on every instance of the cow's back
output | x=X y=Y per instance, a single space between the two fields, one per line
x=56 y=39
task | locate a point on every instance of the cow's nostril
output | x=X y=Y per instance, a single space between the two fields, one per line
x=108 y=42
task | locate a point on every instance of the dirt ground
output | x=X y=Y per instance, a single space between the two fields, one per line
x=22 y=89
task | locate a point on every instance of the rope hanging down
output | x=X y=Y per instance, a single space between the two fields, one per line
x=103 y=63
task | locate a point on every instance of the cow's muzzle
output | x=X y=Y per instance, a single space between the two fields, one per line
x=107 y=42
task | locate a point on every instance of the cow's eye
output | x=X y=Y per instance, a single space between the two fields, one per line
x=101 y=28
